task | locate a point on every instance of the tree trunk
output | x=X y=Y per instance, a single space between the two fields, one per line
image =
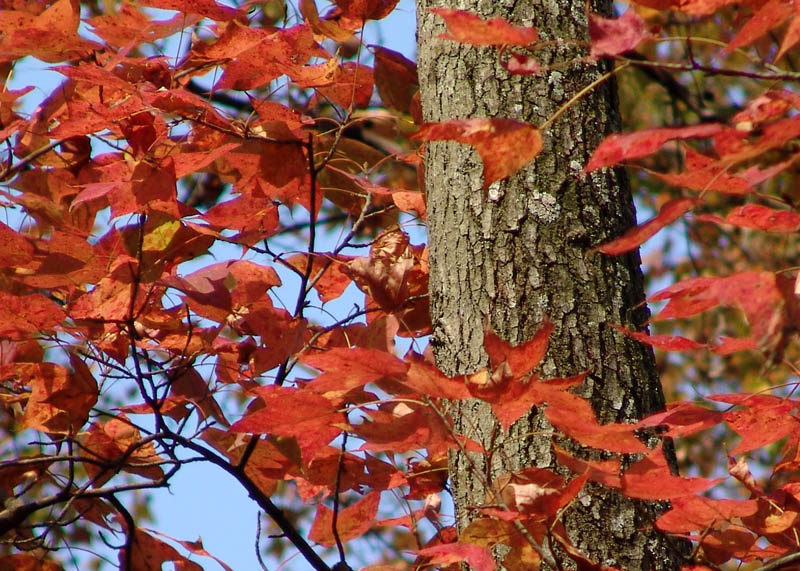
x=520 y=254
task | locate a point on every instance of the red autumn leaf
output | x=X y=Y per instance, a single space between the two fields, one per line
x=637 y=235
x=424 y=378
x=666 y=342
x=310 y=418
x=351 y=522
x=50 y=36
x=763 y=420
x=510 y=399
x=504 y=145
x=400 y=428
x=267 y=465
x=790 y=37
x=395 y=79
x=703 y=173
x=410 y=202
x=730 y=345
x=254 y=217
x=611 y=37
x=477 y=557
x=575 y=417
x=606 y=472
x=697 y=513
x=758 y=217
x=768 y=17
x=764 y=297
x=683 y=419
x=469 y=28
x=620 y=147
x=114 y=441
x=345 y=369
x=325 y=27
x=651 y=479
x=522 y=359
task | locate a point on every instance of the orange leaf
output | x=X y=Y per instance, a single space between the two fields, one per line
x=351 y=522
x=505 y=145
x=469 y=28
x=637 y=235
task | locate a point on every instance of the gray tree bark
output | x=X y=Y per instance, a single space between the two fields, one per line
x=520 y=254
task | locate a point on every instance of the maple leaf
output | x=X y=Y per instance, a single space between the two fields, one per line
x=149 y=553
x=504 y=145
x=469 y=28
x=521 y=64
x=763 y=420
x=683 y=419
x=205 y=8
x=21 y=315
x=28 y=562
x=353 y=86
